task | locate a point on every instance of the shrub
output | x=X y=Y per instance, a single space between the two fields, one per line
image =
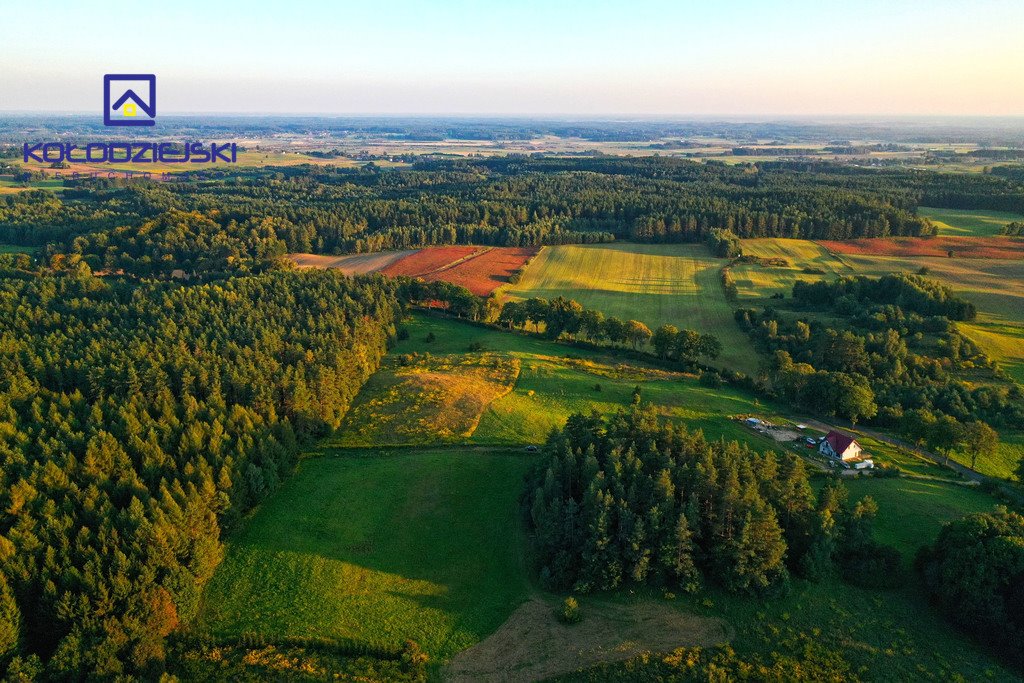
x=570 y=612
x=711 y=379
x=403 y=333
x=430 y=338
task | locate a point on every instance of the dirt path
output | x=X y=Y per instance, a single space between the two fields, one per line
x=533 y=645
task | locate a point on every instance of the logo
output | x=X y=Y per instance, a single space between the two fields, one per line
x=129 y=100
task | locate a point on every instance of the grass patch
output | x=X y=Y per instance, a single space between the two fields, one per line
x=968 y=223
x=427 y=399
x=379 y=547
x=754 y=281
x=556 y=380
x=911 y=511
x=678 y=284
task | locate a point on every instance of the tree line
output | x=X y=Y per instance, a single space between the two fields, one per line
x=154 y=227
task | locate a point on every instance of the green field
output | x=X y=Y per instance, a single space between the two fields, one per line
x=755 y=281
x=678 y=284
x=379 y=547
x=910 y=512
x=968 y=223
x=556 y=380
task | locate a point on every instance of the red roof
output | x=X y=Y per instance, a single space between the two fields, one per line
x=839 y=442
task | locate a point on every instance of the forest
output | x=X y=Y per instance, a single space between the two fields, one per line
x=627 y=501
x=228 y=220
x=138 y=423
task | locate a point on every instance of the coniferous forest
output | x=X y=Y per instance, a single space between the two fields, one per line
x=138 y=421
x=235 y=220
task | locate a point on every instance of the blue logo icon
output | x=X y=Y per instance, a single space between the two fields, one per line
x=129 y=100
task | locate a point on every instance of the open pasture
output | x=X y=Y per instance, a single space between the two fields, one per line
x=379 y=547
x=806 y=260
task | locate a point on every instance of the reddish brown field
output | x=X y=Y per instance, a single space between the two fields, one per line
x=484 y=273
x=481 y=270
x=962 y=247
x=426 y=261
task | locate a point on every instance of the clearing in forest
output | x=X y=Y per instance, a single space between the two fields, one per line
x=426 y=399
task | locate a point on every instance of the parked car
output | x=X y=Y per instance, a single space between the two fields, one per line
x=532 y=449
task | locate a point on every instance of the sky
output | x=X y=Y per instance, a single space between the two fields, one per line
x=524 y=57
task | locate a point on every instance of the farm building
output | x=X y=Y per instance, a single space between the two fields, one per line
x=840 y=447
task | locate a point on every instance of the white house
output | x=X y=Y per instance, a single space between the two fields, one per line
x=840 y=447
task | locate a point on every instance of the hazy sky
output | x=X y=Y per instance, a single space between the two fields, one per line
x=585 y=57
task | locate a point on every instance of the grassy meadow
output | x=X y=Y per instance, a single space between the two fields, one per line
x=807 y=261
x=556 y=380
x=968 y=223
x=414 y=400
x=379 y=547
x=678 y=284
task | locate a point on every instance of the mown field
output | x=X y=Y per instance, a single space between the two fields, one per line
x=678 y=284
x=965 y=222
x=807 y=261
x=379 y=546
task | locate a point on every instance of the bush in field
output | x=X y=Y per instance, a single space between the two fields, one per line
x=570 y=612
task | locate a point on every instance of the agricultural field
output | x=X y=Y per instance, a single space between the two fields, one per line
x=481 y=270
x=678 y=284
x=965 y=222
x=350 y=264
x=488 y=270
x=556 y=380
x=427 y=261
x=943 y=246
x=379 y=546
x=9 y=186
